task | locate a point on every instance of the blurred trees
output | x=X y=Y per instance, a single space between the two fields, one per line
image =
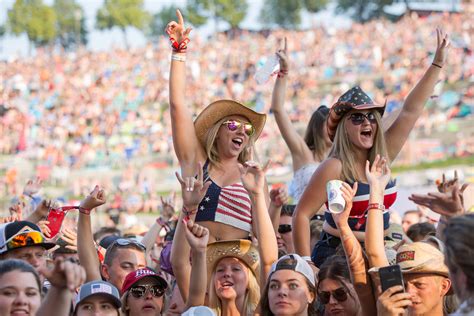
x=71 y=28
x=122 y=14
x=160 y=20
x=363 y=10
x=287 y=13
x=231 y=11
x=35 y=19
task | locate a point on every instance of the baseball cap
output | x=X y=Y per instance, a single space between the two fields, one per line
x=199 y=311
x=295 y=263
x=21 y=234
x=394 y=235
x=421 y=257
x=108 y=240
x=137 y=275
x=98 y=288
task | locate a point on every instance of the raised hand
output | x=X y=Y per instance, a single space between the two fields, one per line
x=43 y=225
x=44 y=207
x=94 y=199
x=279 y=196
x=442 y=47
x=32 y=187
x=176 y=30
x=196 y=235
x=193 y=191
x=448 y=204
x=348 y=194
x=283 y=58
x=16 y=211
x=378 y=175
x=70 y=236
x=393 y=302
x=64 y=274
x=252 y=176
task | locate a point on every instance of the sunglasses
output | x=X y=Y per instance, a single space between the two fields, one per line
x=124 y=242
x=284 y=228
x=139 y=291
x=234 y=125
x=25 y=239
x=339 y=294
x=359 y=118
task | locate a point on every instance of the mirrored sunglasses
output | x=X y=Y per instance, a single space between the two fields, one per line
x=25 y=239
x=139 y=291
x=284 y=228
x=234 y=125
x=359 y=118
x=339 y=294
x=123 y=242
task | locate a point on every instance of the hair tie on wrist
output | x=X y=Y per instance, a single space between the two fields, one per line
x=436 y=65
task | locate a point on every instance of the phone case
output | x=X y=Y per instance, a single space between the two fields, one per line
x=55 y=218
x=390 y=276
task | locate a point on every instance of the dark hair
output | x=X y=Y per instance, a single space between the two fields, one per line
x=460 y=246
x=112 y=251
x=287 y=210
x=265 y=303
x=335 y=268
x=10 y=265
x=418 y=231
x=105 y=231
x=315 y=132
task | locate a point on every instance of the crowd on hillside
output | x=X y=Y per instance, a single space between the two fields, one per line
x=231 y=244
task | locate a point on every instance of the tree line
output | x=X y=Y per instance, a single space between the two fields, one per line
x=64 y=21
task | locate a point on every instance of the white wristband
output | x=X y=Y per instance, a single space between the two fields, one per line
x=306 y=258
x=180 y=57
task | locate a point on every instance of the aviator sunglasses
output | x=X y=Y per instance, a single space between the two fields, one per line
x=339 y=294
x=234 y=125
x=139 y=291
x=358 y=118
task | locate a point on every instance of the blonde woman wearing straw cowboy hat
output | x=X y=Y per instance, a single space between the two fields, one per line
x=221 y=138
x=354 y=126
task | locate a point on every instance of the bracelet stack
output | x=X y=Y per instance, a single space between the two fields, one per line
x=178 y=56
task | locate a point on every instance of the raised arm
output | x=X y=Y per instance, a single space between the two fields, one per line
x=378 y=176
x=197 y=238
x=353 y=251
x=398 y=132
x=278 y=198
x=180 y=249
x=85 y=240
x=311 y=201
x=253 y=179
x=186 y=144
x=300 y=153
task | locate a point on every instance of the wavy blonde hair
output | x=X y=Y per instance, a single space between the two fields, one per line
x=252 y=294
x=343 y=149
x=211 y=146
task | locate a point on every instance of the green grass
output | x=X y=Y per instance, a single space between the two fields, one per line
x=469 y=161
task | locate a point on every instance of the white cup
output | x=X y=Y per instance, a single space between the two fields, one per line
x=336 y=202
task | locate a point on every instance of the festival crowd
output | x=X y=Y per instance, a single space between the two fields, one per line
x=234 y=245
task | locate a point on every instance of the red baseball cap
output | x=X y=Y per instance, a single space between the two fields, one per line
x=137 y=275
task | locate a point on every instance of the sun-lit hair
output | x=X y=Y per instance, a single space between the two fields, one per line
x=315 y=135
x=211 y=145
x=252 y=294
x=343 y=149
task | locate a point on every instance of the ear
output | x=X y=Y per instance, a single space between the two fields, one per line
x=445 y=286
x=104 y=271
x=311 y=297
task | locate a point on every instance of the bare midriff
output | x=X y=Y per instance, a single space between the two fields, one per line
x=219 y=231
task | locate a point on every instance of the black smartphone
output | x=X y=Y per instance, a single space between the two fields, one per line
x=390 y=276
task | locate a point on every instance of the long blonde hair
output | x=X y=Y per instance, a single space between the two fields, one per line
x=211 y=146
x=252 y=295
x=343 y=149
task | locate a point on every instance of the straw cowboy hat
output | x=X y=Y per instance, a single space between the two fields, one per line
x=218 y=110
x=421 y=257
x=354 y=99
x=241 y=249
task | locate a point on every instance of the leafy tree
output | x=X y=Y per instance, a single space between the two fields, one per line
x=160 y=20
x=363 y=10
x=314 y=6
x=71 y=24
x=2 y=30
x=230 y=11
x=122 y=14
x=35 y=19
x=285 y=13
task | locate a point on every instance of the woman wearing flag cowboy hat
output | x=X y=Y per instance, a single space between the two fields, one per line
x=354 y=126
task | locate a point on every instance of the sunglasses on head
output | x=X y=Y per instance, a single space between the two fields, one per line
x=284 y=228
x=339 y=294
x=234 y=125
x=139 y=291
x=25 y=239
x=123 y=242
x=359 y=118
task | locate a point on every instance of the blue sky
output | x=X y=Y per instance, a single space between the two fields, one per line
x=104 y=40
